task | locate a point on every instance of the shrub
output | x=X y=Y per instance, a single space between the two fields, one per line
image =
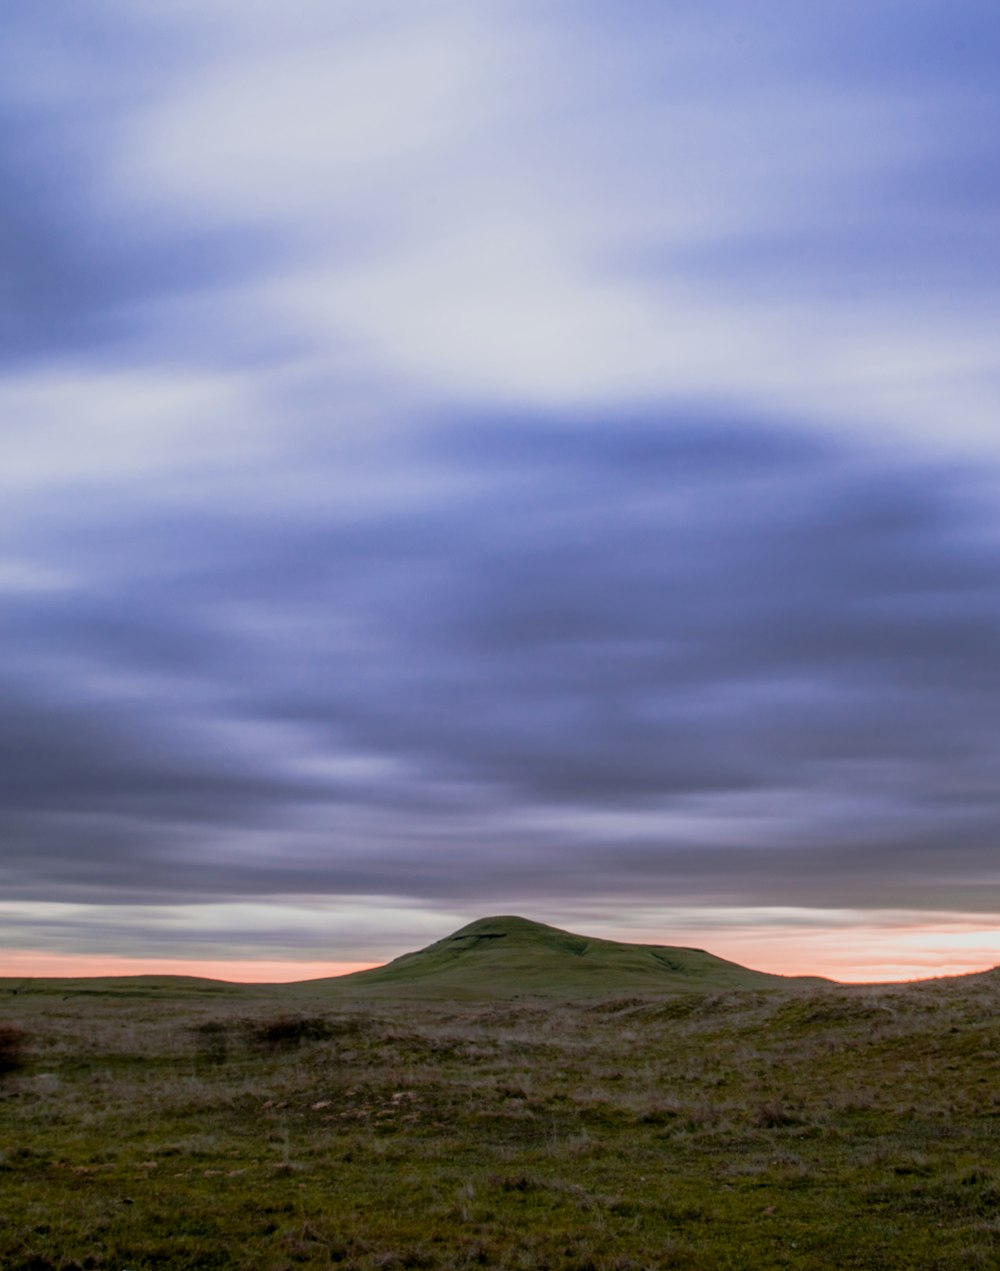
x=212 y=1037
x=284 y=1032
x=13 y=1044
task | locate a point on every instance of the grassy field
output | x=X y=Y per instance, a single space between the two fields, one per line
x=156 y=1124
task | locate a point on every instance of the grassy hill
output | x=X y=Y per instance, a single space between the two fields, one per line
x=509 y=956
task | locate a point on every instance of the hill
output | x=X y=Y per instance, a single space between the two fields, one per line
x=117 y=986
x=508 y=956
x=830 y=1129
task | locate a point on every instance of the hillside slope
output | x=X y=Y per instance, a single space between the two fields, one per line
x=507 y=956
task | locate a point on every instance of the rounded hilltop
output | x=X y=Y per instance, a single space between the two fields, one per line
x=507 y=956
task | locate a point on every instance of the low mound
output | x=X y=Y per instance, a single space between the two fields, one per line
x=509 y=956
x=116 y=985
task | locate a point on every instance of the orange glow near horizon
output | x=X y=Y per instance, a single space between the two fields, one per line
x=37 y=964
x=849 y=954
x=856 y=956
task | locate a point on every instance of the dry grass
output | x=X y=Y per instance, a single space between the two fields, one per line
x=840 y=1128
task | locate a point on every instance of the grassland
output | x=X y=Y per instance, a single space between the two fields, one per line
x=184 y=1124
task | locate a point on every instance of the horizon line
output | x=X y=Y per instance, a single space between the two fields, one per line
x=28 y=965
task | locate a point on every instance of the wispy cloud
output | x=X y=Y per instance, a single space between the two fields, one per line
x=497 y=454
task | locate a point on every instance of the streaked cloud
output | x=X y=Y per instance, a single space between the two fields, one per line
x=472 y=456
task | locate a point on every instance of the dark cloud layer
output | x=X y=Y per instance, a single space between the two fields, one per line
x=520 y=494
x=652 y=656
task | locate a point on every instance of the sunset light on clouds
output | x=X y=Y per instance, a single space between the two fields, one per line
x=481 y=458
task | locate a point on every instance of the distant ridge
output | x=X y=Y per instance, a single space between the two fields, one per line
x=507 y=956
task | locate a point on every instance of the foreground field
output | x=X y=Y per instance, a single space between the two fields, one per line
x=180 y=1125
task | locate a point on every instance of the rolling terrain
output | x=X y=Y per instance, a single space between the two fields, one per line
x=513 y=1096
x=273 y=1128
x=498 y=957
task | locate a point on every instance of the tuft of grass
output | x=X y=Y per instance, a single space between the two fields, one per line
x=775 y=1114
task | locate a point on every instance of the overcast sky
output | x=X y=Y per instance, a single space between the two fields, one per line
x=500 y=456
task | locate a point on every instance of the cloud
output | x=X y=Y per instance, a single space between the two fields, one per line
x=461 y=454
x=500 y=204
x=697 y=657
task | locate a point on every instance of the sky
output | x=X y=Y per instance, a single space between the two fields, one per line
x=499 y=457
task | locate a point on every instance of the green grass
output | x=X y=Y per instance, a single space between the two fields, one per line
x=280 y=1128
x=509 y=956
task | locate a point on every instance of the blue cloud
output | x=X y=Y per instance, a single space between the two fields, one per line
x=448 y=452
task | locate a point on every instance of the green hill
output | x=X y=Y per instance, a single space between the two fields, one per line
x=509 y=956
